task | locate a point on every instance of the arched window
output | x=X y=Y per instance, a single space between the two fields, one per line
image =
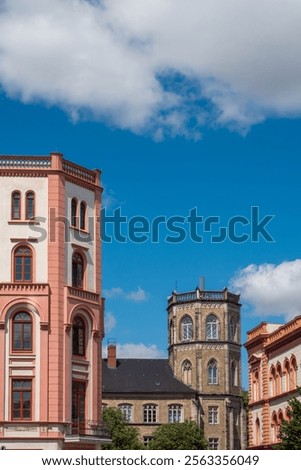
x=212 y=370
x=255 y=385
x=78 y=336
x=74 y=212
x=293 y=373
x=23 y=264
x=232 y=329
x=211 y=327
x=278 y=379
x=29 y=205
x=274 y=427
x=77 y=270
x=22 y=332
x=186 y=372
x=286 y=375
x=82 y=216
x=186 y=328
x=16 y=205
x=233 y=374
x=273 y=381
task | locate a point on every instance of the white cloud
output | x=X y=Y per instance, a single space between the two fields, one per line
x=138 y=295
x=271 y=289
x=140 y=351
x=110 y=322
x=113 y=292
x=235 y=62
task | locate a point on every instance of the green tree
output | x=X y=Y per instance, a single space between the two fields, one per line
x=124 y=437
x=290 y=431
x=178 y=436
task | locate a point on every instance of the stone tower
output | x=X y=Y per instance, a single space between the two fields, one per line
x=205 y=353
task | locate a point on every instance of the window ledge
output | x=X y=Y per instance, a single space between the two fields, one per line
x=24 y=222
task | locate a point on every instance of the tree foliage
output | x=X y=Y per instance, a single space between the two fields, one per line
x=178 y=436
x=124 y=437
x=290 y=431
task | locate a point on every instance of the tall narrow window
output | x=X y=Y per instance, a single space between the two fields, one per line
x=186 y=372
x=78 y=407
x=186 y=328
x=233 y=374
x=77 y=270
x=211 y=327
x=175 y=413
x=23 y=264
x=286 y=375
x=78 y=337
x=16 y=205
x=232 y=329
x=212 y=372
x=74 y=212
x=29 y=205
x=293 y=373
x=21 y=399
x=257 y=432
x=22 y=332
x=82 y=216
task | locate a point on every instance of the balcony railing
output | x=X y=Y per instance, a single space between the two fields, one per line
x=198 y=294
x=87 y=428
x=83 y=294
x=11 y=161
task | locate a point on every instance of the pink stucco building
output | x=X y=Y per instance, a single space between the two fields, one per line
x=51 y=309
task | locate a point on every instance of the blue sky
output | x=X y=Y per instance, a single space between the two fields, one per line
x=173 y=127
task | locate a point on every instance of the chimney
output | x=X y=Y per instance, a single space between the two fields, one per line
x=112 y=361
x=202 y=283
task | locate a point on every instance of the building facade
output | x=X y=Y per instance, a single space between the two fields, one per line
x=205 y=353
x=146 y=392
x=204 y=362
x=51 y=309
x=274 y=355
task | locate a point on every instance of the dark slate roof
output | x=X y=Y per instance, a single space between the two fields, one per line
x=142 y=376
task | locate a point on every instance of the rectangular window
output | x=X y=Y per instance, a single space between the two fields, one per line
x=126 y=411
x=213 y=414
x=175 y=414
x=21 y=399
x=213 y=443
x=150 y=414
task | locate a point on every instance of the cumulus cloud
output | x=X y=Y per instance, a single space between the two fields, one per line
x=110 y=322
x=138 y=295
x=271 y=289
x=159 y=66
x=140 y=351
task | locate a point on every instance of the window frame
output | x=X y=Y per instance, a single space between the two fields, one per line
x=22 y=323
x=83 y=215
x=23 y=257
x=29 y=193
x=74 y=207
x=13 y=201
x=126 y=410
x=74 y=270
x=213 y=443
x=212 y=372
x=213 y=414
x=186 y=369
x=150 y=413
x=186 y=328
x=212 y=327
x=175 y=413
x=77 y=348
x=22 y=391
